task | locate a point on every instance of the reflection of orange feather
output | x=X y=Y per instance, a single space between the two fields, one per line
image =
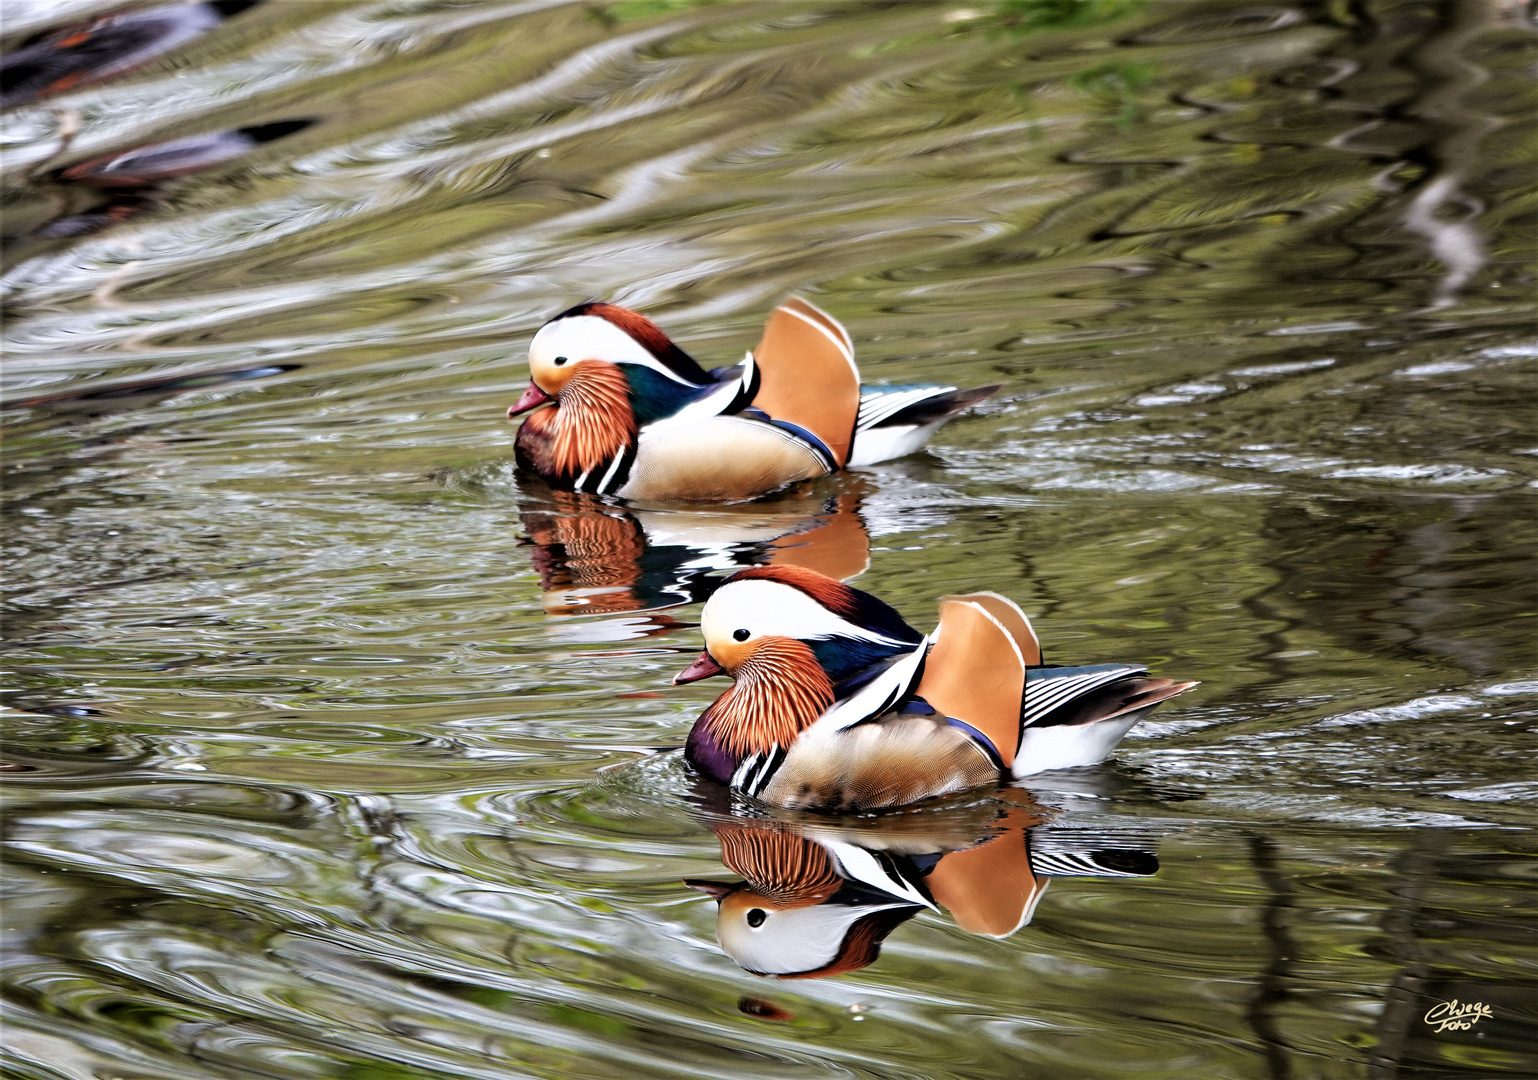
x=837 y=546
x=990 y=888
x=780 y=865
x=594 y=421
x=780 y=690
x=601 y=549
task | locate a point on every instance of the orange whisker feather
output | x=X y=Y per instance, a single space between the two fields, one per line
x=779 y=864
x=594 y=421
x=780 y=690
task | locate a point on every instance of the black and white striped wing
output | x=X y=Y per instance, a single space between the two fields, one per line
x=1049 y=689
x=1057 y=852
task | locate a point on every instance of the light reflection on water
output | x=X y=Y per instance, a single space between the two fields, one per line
x=348 y=756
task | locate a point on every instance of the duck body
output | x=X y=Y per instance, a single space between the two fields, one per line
x=619 y=409
x=839 y=705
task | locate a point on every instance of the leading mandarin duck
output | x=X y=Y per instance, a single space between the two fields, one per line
x=619 y=409
x=840 y=705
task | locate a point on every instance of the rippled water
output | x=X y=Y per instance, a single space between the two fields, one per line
x=335 y=745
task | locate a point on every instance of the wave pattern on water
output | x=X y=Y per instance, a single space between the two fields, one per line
x=336 y=752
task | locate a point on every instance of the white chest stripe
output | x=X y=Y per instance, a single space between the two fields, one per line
x=603 y=485
x=861 y=865
x=876 y=696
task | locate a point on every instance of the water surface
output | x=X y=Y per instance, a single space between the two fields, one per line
x=338 y=745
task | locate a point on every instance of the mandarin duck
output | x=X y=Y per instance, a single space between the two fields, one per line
x=619 y=409
x=840 y=705
x=101 y=48
x=816 y=902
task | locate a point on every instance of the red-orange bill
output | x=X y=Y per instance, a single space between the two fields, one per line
x=532 y=397
x=704 y=667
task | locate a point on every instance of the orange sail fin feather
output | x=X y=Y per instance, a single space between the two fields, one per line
x=594 y=421
x=780 y=690
x=1012 y=619
x=808 y=375
x=976 y=672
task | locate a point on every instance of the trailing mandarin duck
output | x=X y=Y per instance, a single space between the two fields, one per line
x=840 y=705
x=619 y=409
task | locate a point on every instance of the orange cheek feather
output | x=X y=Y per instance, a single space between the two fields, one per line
x=780 y=690
x=594 y=422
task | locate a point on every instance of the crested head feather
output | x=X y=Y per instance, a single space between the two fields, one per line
x=780 y=690
x=647 y=334
x=594 y=421
x=845 y=601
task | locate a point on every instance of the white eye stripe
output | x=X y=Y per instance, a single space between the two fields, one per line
x=588 y=337
x=768 y=608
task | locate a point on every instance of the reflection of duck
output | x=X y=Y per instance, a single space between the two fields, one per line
x=841 y=705
x=820 y=901
x=109 y=46
x=138 y=177
x=621 y=410
x=595 y=558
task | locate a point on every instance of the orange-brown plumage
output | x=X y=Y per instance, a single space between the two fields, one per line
x=593 y=422
x=780 y=690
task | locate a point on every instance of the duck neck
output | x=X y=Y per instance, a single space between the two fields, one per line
x=780 y=691
x=852 y=662
x=593 y=421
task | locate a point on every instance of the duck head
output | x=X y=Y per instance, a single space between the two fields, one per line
x=792 y=640
x=795 y=916
x=607 y=371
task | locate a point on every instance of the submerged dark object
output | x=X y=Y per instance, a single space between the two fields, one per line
x=177 y=157
x=99 y=396
x=100 y=49
x=136 y=178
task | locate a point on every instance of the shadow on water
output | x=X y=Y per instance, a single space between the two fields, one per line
x=336 y=744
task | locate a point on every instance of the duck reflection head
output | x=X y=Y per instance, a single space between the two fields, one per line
x=795 y=916
x=805 y=940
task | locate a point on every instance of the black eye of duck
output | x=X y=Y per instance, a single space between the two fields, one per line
x=756 y=917
x=559 y=360
x=740 y=635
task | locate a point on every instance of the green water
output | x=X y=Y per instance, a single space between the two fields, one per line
x=335 y=763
